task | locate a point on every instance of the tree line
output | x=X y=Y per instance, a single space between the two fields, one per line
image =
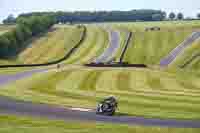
x=103 y=16
x=12 y=42
x=173 y=16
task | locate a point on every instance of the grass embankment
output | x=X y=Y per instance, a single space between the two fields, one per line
x=95 y=42
x=123 y=38
x=164 y=25
x=53 y=46
x=150 y=47
x=13 y=124
x=48 y=47
x=6 y=71
x=189 y=58
x=141 y=92
x=123 y=32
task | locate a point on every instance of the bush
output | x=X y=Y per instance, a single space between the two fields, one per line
x=4 y=44
x=12 y=42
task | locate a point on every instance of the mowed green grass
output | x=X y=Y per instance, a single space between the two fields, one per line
x=150 y=47
x=141 y=92
x=13 y=124
x=49 y=47
x=105 y=36
x=164 y=25
x=95 y=42
x=53 y=46
x=8 y=71
x=186 y=57
x=123 y=38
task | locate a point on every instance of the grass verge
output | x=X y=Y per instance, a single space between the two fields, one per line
x=141 y=92
x=10 y=124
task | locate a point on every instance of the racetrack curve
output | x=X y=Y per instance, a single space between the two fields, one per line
x=4 y=79
x=22 y=108
x=9 y=106
x=114 y=37
x=175 y=52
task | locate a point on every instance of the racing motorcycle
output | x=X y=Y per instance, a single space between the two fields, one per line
x=107 y=107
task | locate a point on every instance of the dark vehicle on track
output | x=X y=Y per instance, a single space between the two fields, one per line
x=107 y=107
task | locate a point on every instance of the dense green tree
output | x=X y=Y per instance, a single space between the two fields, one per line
x=13 y=41
x=157 y=17
x=172 y=16
x=12 y=47
x=19 y=33
x=198 y=15
x=180 y=16
x=4 y=44
x=9 y=20
x=101 y=16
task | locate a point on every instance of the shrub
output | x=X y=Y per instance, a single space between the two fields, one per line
x=12 y=41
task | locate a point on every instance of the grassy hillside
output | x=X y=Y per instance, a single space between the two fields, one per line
x=94 y=44
x=52 y=46
x=189 y=59
x=48 y=47
x=10 y=124
x=123 y=37
x=141 y=92
x=150 y=47
x=148 y=93
x=56 y=43
x=164 y=25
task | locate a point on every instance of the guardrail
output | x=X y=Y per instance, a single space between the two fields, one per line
x=116 y=65
x=56 y=61
x=121 y=63
x=126 y=47
x=190 y=60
